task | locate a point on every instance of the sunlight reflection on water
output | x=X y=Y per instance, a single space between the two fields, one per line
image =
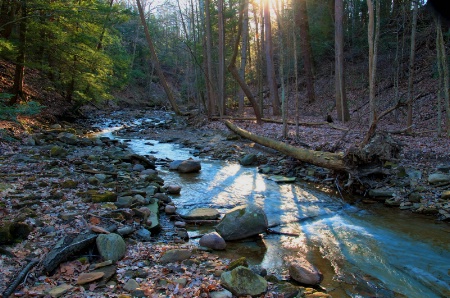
x=365 y=250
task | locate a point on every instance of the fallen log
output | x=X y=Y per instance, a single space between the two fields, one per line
x=334 y=161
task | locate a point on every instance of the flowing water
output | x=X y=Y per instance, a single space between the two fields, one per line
x=362 y=250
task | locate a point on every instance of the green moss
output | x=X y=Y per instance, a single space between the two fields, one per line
x=104 y=197
x=236 y=263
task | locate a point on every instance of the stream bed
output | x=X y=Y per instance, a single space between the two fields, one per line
x=362 y=250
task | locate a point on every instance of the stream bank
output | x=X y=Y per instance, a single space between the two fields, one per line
x=105 y=152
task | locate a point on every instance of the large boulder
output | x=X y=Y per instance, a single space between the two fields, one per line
x=304 y=272
x=189 y=166
x=242 y=222
x=213 y=240
x=241 y=281
x=111 y=246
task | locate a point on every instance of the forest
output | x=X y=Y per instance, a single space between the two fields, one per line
x=226 y=148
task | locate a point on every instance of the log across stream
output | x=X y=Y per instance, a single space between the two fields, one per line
x=370 y=251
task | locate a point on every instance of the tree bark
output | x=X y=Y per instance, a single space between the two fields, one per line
x=373 y=33
x=305 y=47
x=244 y=45
x=156 y=61
x=341 y=97
x=411 y=68
x=20 y=63
x=234 y=72
x=212 y=96
x=334 y=161
x=269 y=60
x=221 y=66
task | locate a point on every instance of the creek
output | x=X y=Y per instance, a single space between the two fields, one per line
x=362 y=250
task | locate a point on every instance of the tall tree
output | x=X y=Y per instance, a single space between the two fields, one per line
x=221 y=66
x=233 y=70
x=341 y=97
x=269 y=61
x=20 y=62
x=156 y=61
x=411 y=68
x=305 y=47
x=373 y=34
x=244 y=47
x=443 y=74
x=212 y=96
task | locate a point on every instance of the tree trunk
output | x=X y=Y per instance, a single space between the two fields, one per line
x=305 y=47
x=221 y=68
x=243 y=53
x=443 y=72
x=156 y=61
x=212 y=96
x=373 y=33
x=269 y=60
x=334 y=161
x=232 y=69
x=341 y=97
x=20 y=63
x=411 y=68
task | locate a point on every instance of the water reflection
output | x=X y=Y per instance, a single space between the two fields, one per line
x=361 y=253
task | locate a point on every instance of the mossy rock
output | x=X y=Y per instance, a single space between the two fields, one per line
x=104 y=197
x=69 y=184
x=236 y=263
x=14 y=231
x=58 y=151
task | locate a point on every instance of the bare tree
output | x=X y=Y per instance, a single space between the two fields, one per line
x=156 y=61
x=221 y=68
x=341 y=97
x=411 y=68
x=373 y=34
x=305 y=47
x=269 y=61
x=243 y=51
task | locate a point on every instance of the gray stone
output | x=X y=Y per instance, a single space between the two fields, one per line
x=100 y=177
x=213 y=240
x=201 y=214
x=189 y=166
x=381 y=192
x=60 y=290
x=241 y=281
x=248 y=160
x=437 y=178
x=68 y=138
x=144 y=234
x=138 y=168
x=304 y=272
x=242 y=222
x=173 y=166
x=111 y=246
x=163 y=197
x=175 y=255
x=169 y=209
x=131 y=285
x=124 y=202
x=221 y=294
x=173 y=189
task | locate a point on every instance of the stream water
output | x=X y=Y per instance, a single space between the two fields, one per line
x=362 y=250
